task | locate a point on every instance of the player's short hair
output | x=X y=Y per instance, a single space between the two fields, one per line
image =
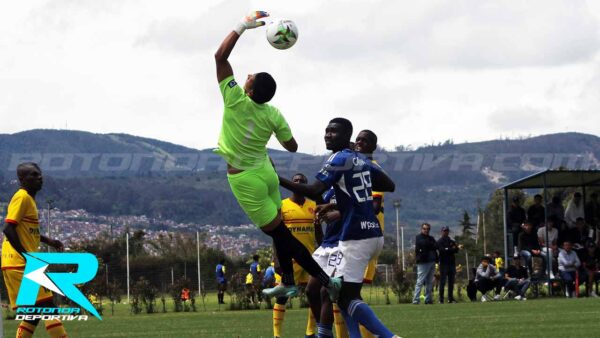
x=222 y=261
x=255 y=257
x=263 y=88
x=372 y=136
x=23 y=168
x=300 y=174
x=345 y=123
x=538 y=196
x=486 y=258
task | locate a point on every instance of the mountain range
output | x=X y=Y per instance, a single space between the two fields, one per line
x=124 y=174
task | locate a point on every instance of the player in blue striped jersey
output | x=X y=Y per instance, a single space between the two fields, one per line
x=353 y=177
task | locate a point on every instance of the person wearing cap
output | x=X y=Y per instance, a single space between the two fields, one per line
x=515 y=217
x=447 y=249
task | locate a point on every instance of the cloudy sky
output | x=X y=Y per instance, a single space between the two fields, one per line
x=415 y=72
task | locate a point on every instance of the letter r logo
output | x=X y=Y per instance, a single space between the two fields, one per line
x=63 y=283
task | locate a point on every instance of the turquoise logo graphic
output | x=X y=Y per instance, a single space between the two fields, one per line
x=63 y=283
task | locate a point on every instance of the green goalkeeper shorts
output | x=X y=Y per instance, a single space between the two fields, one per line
x=257 y=192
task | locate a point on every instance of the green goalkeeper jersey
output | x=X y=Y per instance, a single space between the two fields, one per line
x=247 y=127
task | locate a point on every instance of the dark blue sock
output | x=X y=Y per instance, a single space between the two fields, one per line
x=362 y=313
x=351 y=325
x=325 y=330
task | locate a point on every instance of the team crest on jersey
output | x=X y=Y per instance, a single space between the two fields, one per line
x=232 y=84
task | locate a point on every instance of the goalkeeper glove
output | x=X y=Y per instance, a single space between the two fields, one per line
x=250 y=21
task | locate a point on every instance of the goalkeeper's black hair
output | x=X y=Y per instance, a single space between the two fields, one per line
x=263 y=88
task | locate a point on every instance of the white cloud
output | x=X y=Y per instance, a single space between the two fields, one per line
x=414 y=72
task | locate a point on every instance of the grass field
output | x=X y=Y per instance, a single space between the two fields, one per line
x=548 y=317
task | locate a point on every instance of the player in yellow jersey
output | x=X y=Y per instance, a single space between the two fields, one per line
x=22 y=234
x=366 y=144
x=298 y=215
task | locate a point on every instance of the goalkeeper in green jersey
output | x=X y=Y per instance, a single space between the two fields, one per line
x=248 y=123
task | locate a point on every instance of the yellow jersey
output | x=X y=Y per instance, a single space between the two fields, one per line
x=379 y=216
x=299 y=219
x=22 y=212
x=499 y=262
x=249 y=279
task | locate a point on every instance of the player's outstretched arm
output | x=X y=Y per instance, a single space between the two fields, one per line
x=248 y=22
x=383 y=183
x=291 y=145
x=312 y=191
x=380 y=180
x=12 y=237
x=55 y=243
x=223 y=67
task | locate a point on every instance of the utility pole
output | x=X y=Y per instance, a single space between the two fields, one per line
x=397 y=208
x=49 y=203
x=199 y=267
x=127 y=249
x=402 y=239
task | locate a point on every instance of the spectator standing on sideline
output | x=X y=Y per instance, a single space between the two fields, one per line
x=256 y=271
x=568 y=263
x=536 y=212
x=426 y=255
x=574 y=210
x=250 y=290
x=487 y=278
x=269 y=278
x=515 y=216
x=447 y=249
x=517 y=279
x=221 y=281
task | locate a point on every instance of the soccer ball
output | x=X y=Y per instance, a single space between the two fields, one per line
x=282 y=34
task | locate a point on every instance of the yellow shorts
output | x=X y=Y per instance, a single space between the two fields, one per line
x=12 y=280
x=300 y=275
x=370 y=271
